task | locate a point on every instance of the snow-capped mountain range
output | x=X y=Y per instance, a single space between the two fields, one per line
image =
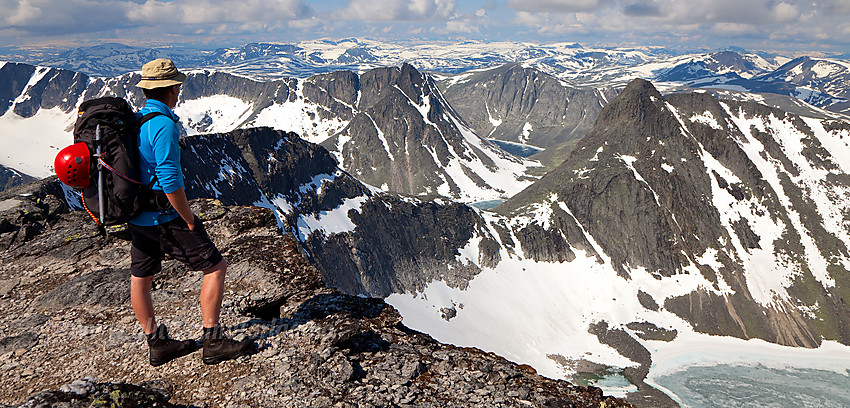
x=589 y=66
x=390 y=127
x=819 y=80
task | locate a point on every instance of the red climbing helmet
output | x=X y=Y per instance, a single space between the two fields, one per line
x=73 y=165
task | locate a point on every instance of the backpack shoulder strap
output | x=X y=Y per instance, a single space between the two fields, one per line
x=150 y=116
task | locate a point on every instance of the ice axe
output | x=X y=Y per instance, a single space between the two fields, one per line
x=101 y=199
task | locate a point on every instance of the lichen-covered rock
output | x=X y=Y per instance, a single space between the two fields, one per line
x=88 y=393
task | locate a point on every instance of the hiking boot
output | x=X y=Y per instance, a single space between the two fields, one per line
x=218 y=347
x=164 y=348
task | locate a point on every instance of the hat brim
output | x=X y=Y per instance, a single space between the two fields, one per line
x=161 y=83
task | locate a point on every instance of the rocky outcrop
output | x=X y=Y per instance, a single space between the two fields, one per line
x=15 y=78
x=67 y=327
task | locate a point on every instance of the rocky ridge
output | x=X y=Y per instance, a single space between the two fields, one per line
x=405 y=137
x=10 y=178
x=69 y=329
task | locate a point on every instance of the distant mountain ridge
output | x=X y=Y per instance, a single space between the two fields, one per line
x=586 y=66
x=427 y=148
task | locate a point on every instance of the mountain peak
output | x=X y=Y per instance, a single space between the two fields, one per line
x=639 y=88
x=638 y=100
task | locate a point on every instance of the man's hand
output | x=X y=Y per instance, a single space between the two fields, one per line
x=181 y=204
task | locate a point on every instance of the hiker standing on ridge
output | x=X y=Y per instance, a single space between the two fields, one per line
x=173 y=229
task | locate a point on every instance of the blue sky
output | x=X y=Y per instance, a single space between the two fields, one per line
x=782 y=25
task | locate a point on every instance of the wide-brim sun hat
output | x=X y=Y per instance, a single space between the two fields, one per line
x=160 y=73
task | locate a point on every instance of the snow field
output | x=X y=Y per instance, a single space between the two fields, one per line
x=30 y=145
x=301 y=117
x=528 y=311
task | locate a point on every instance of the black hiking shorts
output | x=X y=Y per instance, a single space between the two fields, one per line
x=151 y=244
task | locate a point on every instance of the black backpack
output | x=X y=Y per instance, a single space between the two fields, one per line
x=125 y=195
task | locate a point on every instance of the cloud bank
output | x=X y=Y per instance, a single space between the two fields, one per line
x=694 y=23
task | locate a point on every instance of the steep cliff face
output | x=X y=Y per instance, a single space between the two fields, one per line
x=406 y=138
x=66 y=319
x=746 y=196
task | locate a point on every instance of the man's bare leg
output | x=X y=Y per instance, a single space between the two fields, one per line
x=162 y=348
x=140 y=298
x=212 y=293
x=217 y=346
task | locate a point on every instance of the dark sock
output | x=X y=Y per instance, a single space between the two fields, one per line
x=212 y=333
x=156 y=334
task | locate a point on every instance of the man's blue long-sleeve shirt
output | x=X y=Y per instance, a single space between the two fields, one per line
x=159 y=156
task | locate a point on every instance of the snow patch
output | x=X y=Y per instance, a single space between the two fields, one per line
x=213 y=114
x=526 y=132
x=493 y=121
x=790 y=139
x=317 y=183
x=335 y=221
x=307 y=119
x=706 y=118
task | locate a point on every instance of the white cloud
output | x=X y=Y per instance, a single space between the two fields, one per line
x=461 y=26
x=211 y=11
x=685 y=20
x=305 y=23
x=82 y=16
x=531 y=19
x=674 y=11
x=61 y=16
x=25 y=13
x=733 y=28
x=784 y=12
x=396 y=10
x=772 y=24
x=556 y=6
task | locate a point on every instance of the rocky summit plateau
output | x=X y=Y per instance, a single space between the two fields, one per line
x=70 y=339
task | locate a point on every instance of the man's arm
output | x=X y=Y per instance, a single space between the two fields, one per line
x=181 y=204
